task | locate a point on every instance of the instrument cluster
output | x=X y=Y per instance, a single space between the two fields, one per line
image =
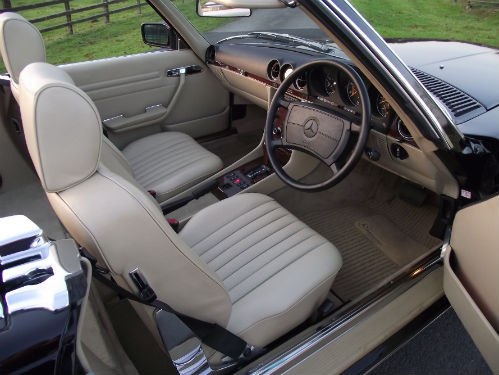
x=331 y=87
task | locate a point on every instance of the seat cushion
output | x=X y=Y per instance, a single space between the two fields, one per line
x=170 y=162
x=276 y=269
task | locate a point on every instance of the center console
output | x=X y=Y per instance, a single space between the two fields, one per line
x=247 y=175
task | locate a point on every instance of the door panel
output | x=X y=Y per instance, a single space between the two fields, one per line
x=138 y=95
x=471 y=275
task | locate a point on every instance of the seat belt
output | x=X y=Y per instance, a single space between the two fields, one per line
x=210 y=334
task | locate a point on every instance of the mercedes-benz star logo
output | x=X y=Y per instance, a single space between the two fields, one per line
x=311 y=128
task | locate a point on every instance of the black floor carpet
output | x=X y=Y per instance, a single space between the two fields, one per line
x=442 y=348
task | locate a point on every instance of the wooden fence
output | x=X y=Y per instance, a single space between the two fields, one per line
x=69 y=12
x=485 y=3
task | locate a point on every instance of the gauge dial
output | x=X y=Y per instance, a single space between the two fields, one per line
x=301 y=81
x=353 y=94
x=402 y=130
x=382 y=106
x=329 y=84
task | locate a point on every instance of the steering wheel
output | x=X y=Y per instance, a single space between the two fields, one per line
x=320 y=132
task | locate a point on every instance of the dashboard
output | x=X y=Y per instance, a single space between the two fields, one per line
x=254 y=71
x=324 y=86
x=332 y=88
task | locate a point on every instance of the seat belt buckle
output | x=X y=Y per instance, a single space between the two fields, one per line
x=145 y=290
x=174 y=223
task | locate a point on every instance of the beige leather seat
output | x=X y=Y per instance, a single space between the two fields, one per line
x=20 y=44
x=245 y=263
x=166 y=163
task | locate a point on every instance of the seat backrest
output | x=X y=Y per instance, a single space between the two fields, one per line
x=20 y=44
x=112 y=216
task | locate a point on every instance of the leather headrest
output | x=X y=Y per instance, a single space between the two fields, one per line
x=61 y=124
x=20 y=44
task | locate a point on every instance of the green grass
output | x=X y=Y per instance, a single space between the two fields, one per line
x=438 y=19
x=434 y=19
x=96 y=39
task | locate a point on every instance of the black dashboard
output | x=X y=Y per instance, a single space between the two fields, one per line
x=323 y=85
x=255 y=70
x=471 y=96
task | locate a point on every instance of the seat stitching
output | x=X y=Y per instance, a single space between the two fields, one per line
x=173 y=171
x=267 y=249
x=274 y=258
x=232 y=233
x=223 y=225
x=166 y=164
x=276 y=272
x=238 y=231
x=142 y=158
x=159 y=147
x=279 y=270
x=255 y=243
x=165 y=160
x=166 y=151
x=251 y=244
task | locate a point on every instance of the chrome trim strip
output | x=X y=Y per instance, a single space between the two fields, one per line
x=194 y=362
x=111 y=119
x=154 y=106
x=437 y=128
x=386 y=293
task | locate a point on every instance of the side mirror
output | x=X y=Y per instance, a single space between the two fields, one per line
x=209 y=8
x=156 y=34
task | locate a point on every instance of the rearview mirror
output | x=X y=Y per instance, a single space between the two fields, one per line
x=209 y=8
x=156 y=34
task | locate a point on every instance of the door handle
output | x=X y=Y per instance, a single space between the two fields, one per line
x=187 y=70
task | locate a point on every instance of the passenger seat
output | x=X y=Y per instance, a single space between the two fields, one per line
x=164 y=163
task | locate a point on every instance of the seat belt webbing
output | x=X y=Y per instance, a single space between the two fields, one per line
x=210 y=334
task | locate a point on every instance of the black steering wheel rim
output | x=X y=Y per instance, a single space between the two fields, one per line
x=356 y=153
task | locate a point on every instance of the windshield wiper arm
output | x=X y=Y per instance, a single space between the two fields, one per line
x=281 y=38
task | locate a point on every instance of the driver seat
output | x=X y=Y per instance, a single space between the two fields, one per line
x=166 y=163
x=244 y=263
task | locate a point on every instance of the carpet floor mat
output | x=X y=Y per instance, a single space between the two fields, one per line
x=249 y=133
x=375 y=240
x=235 y=146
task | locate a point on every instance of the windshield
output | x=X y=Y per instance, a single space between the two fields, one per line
x=394 y=20
x=291 y=21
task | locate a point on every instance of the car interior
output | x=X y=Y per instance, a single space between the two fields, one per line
x=164 y=165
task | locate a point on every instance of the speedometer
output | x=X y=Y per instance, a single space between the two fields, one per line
x=329 y=84
x=352 y=93
x=382 y=106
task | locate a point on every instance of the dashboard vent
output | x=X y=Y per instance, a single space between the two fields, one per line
x=462 y=106
x=273 y=70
